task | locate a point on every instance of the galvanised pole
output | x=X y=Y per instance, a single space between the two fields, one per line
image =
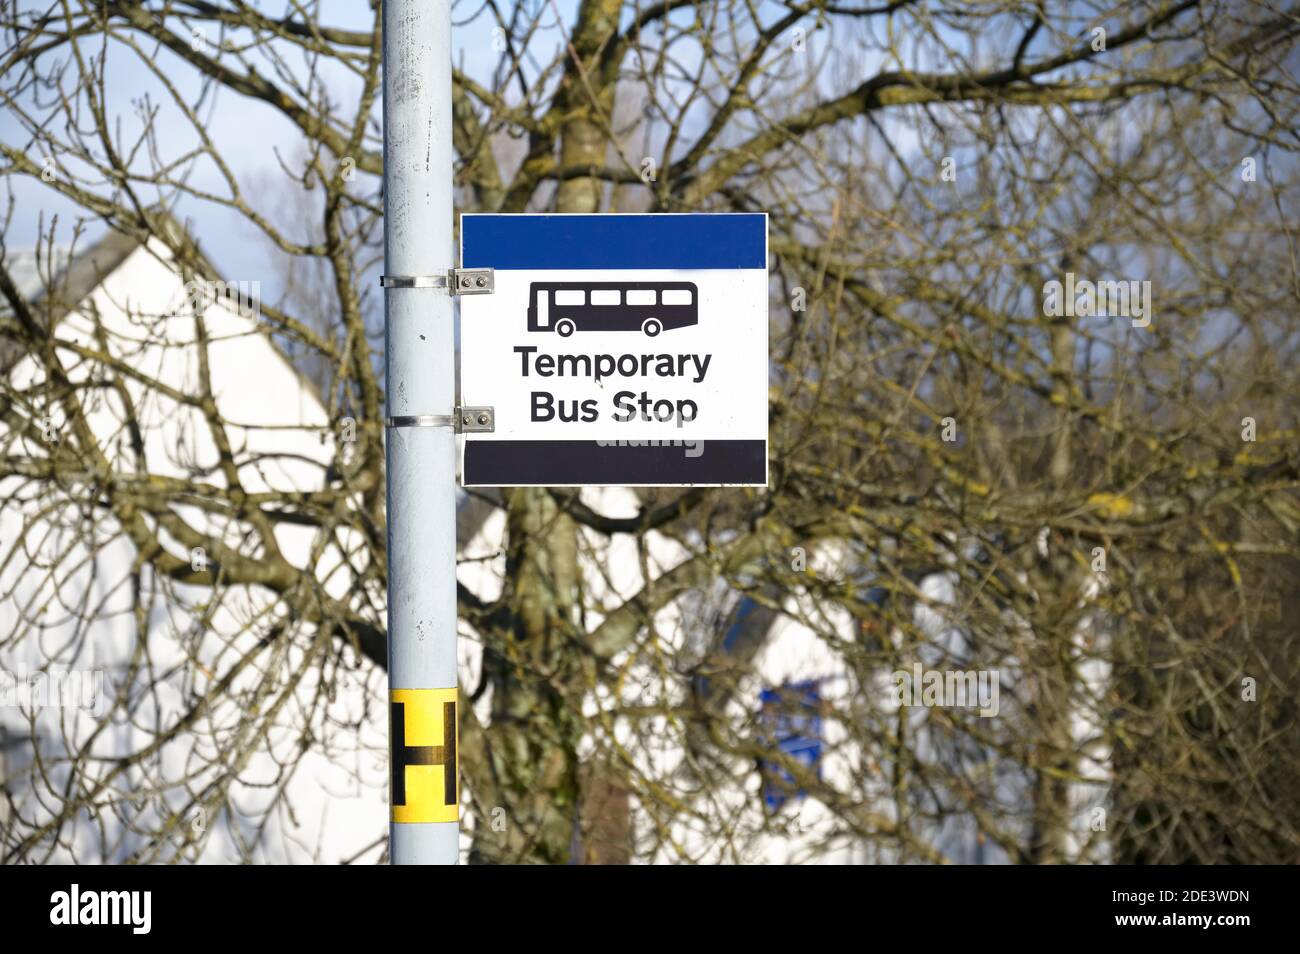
x=419 y=377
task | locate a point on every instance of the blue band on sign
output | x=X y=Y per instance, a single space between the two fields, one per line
x=688 y=241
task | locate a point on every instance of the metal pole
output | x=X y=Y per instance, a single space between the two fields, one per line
x=419 y=376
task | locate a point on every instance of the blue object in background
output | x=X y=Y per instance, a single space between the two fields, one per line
x=790 y=722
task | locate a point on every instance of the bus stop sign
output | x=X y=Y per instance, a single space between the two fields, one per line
x=617 y=350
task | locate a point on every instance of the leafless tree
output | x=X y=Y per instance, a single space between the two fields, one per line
x=1113 y=534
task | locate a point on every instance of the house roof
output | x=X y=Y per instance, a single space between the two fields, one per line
x=79 y=276
x=69 y=286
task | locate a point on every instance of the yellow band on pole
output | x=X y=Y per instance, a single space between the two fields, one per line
x=424 y=732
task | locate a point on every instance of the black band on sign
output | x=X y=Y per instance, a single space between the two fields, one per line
x=572 y=463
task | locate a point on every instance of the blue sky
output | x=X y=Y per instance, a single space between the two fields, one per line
x=247 y=133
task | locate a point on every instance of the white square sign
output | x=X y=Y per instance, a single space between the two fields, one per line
x=624 y=350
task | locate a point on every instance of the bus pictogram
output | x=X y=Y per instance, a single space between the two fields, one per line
x=648 y=307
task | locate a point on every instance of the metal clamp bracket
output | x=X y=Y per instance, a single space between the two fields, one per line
x=466 y=420
x=476 y=420
x=473 y=281
x=457 y=281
